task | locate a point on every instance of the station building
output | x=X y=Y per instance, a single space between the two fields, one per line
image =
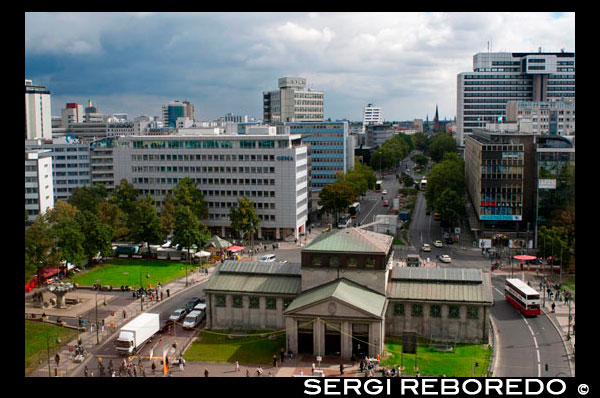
x=347 y=296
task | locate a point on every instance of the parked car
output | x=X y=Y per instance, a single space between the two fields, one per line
x=178 y=314
x=194 y=301
x=448 y=241
x=192 y=319
x=444 y=258
x=426 y=247
x=268 y=258
x=438 y=243
x=384 y=192
x=386 y=203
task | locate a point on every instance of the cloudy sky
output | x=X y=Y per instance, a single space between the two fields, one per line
x=222 y=62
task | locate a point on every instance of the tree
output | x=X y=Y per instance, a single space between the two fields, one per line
x=451 y=205
x=87 y=198
x=186 y=194
x=244 y=219
x=67 y=232
x=111 y=215
x=336 y=198
x=98 y=236
x=420 y=141
x=125 y=196
x=145 y=225
x=440 y=145
x=449 y=173
x=167 y=215
x=188 y=230
x=39 y=245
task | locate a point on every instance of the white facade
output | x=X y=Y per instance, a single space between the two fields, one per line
x=70 y=162
x=372 y=115
x=72 y=114
x=38 y=182
x=269 y=169
x=547 y=117
x=293 y=102
x=38 y=112
x=501 y=77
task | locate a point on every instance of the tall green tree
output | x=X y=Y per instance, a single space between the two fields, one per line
x=449 y=173
x=188 y=230
x=336 y=198
x=167 y=215
x=39 y=245
x=67 y=232
x=440 y=145
x=451 y=205
x=125 y=196
x=187 y=194
x=145 y=225
x=244 y=218
x=88 y=198
x=98 y=236
x=111 y=215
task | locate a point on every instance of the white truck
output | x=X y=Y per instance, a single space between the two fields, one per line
x=136 y=333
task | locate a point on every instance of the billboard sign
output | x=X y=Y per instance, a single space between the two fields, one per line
x=547 y=183
x=486 y=217
x=485 y=243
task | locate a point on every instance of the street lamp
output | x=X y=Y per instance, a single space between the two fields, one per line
x=97 y=331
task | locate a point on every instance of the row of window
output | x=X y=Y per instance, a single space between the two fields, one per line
x=64 y=182
x=435 y=310
x=205 y=169
x=225 y=217
x=205 y=181
x=189 y=158
x=497 y=83
x=527 y=94
x=71 y=173
x=253 y=302
x=487 y=88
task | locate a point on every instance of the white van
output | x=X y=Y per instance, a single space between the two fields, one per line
x=268 y=258
x=192 y=319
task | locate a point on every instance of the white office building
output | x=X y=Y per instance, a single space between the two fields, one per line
x=546 y=117
x=38 y=182
x=38 y=111
x=293 y=102
x=269 y=169
x=497 y=78
x=70 y=163
x=372 y=115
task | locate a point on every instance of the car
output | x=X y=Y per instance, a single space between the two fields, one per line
x=384 y=192
x=444 y=258
x=268 y=258
x=178 y=314
x=438 y=243
x=446 y=235
x=386 y=203
x=426 y=247
x=192 y=319
x=194 y=301
x=448 y=241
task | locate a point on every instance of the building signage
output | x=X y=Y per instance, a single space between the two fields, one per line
x=520 y=244
x=512 y=155
x=496 y=217
x=285 y=158
x=547 y=183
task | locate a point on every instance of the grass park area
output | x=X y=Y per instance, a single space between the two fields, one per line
x=219 y=346
x=433 y=362
x=38 y=337
x=119 y=272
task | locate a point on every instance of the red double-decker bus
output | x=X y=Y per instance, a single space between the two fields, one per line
x=522 y=296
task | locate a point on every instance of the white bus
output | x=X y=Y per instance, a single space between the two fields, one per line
x=522 y=296
x=344 y=221
x=423 y=184
x=378 y=186
x=354 y=209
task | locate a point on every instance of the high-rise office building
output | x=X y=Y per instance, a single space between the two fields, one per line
x=38 y=111
x=372 y=115
x=177 y=109
x=72 y=113
x=497 y=78
x=293 y=102
x=38 y=182
x=546 y=117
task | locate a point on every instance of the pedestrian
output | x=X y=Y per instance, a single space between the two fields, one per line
x=282 y=354
x=91 y=373
x=86 y=371
x=153 y=367
x=57 y=359
x=274 y=360
x=313 y=368
x=181 y=366
x=237 y=366
x=124 y=314
x=341 y=368
x=553 y=307
x=205 y=372
x=247 y=372
x=161 y=295
x=134 y=371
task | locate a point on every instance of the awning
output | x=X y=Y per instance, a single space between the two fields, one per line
x=202 y=253
x=235 y=248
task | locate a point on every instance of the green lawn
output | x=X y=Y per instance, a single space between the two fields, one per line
x=437 y=363
x=119 y=272
x=36 y=348
x=247 y=350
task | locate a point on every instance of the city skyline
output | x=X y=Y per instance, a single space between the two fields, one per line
x=405 y=63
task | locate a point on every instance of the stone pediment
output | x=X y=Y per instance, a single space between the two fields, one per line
x=332 y=307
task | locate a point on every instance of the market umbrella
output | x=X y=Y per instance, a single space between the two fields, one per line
x=202 y=253
x=218 y=242
x=524 y=257
x=235 y=248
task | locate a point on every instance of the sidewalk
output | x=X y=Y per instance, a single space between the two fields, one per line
x=88 y=338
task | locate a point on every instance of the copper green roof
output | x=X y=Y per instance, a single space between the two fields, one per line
x=351 y=240
x=345 y=291
x=255 y=277
x=458 y=285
